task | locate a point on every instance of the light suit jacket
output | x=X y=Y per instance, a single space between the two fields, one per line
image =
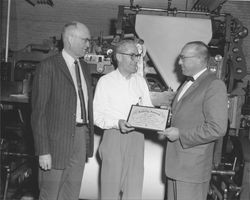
x=201 y=116
x=54 y=110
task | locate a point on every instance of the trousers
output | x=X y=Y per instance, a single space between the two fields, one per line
x=122 y=166
x=187 y=191
x=245 y=193
x=65 y=184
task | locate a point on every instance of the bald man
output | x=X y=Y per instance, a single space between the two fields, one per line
x=199 y=118
x=122 y=148
x=62 y=116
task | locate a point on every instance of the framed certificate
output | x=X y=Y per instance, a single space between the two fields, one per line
x=148 y=117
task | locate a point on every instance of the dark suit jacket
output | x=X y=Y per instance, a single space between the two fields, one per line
x=201 y=117
x=54 y=110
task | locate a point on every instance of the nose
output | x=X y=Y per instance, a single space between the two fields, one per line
x=88 y=43
x=180 y=61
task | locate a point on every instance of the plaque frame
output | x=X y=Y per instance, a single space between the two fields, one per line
x=149 y=118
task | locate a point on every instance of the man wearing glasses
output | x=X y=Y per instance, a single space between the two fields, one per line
x=122 y=147
x=199 y=118
x=62 y=116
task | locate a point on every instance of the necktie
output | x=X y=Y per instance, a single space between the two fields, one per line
x=80 y=92
x=190 y=78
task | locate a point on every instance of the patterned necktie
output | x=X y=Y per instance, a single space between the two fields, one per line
x=80 y=92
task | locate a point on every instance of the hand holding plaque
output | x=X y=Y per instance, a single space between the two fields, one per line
x=148 y=117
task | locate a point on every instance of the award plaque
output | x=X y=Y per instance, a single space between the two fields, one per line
x=148 y=117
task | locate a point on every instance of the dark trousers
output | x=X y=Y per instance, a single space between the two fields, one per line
x=65 y=184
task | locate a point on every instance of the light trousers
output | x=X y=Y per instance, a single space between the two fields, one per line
x=122 y=165
x=187 y=191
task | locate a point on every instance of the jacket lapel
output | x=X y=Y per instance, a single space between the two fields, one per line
x=176 y=96
x=61 y=64
x=190 y=89
x=196 y=83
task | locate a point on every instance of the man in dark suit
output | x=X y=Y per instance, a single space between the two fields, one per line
x=62 y=116
x=199 y=118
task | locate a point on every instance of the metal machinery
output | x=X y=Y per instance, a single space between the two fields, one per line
x=18 y=163
x=227 y=61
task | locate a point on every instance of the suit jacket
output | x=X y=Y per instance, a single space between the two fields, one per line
x=54 y=110
x=201 y=117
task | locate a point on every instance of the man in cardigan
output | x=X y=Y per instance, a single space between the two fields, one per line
x=199 y=118
x=62 y=116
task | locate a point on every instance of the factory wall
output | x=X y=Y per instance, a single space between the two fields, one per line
x=34 y=24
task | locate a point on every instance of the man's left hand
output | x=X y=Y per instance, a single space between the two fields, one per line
x=124 y=126
x=171 y=133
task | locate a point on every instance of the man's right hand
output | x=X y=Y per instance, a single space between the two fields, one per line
x=125 y=126
x=45 y=161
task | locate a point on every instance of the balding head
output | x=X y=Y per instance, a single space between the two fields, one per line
x=193 y=58
x=199 y=48
x=76 y=39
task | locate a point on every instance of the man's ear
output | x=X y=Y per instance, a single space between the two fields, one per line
x=118 y=57
x=70 y=39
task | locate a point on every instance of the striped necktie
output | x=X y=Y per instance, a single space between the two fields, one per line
x=80 y=92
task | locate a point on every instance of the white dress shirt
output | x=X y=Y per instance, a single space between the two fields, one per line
x=189 y=83
x=71 y=66
x=114 y=96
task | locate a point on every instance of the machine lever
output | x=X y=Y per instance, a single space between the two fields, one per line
x=223 y=172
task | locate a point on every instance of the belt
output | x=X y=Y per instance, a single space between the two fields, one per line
x=81 y=124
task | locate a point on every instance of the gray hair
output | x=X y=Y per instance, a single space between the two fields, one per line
x=123 y=45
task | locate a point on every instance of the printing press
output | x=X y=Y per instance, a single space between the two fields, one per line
x=224 y=35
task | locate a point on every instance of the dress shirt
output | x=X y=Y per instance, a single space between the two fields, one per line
x=71 y=66
x=114 y=96
x=189 y=83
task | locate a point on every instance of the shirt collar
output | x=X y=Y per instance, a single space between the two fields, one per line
x=68 y=58
x=199 y=73
x=123 y=77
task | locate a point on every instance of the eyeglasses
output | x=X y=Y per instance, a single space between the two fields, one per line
x=182 y=57
x=133 y=56
x=85 y=40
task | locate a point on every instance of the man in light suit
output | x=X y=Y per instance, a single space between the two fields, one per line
x=62 y=118
x=199 y=118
